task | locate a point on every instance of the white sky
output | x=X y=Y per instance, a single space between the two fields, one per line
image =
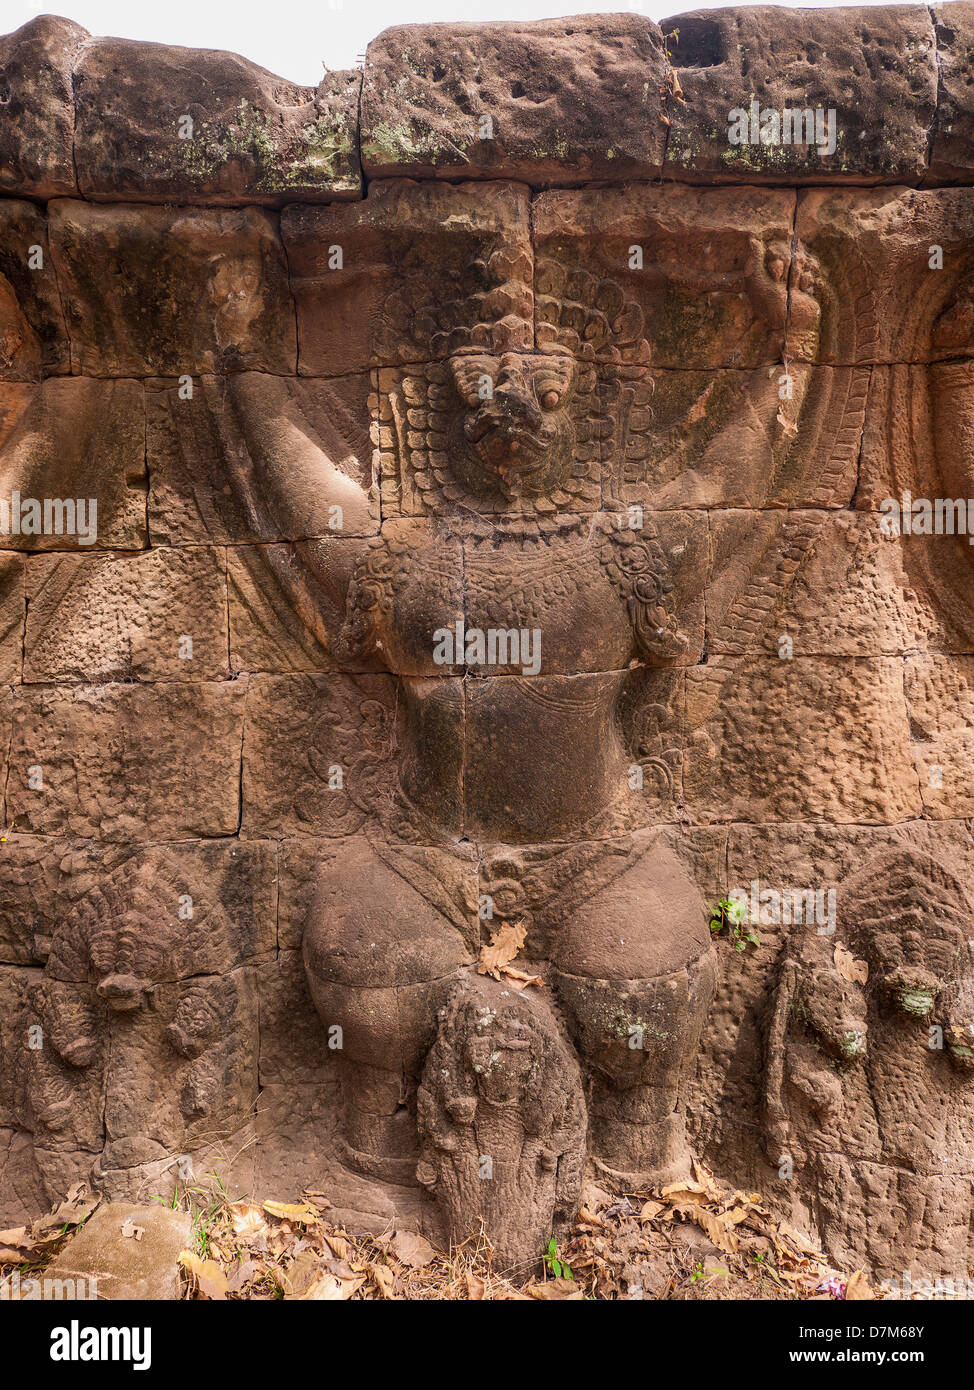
x=294 y=37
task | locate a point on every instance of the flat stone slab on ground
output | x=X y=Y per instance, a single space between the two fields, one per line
x=128 y=1265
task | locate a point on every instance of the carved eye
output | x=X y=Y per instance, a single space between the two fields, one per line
x=549 y=400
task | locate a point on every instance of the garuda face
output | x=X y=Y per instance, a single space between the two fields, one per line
x=514 y=434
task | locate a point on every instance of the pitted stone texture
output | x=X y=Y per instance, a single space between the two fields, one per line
x=83 y=440
x=161 y=615
x=256 y=457
x=153 y=291
x=33 y=331
x=767 y=437
x=36 y=61
x=286 y=600
x=567 y=100
x=867 y=284
x=184 y=1071
x=190 y=909
x=724 y=305
x=876 y=68
x=406 y=275
x=12 y=617
x=827 y=584
x=940 y=698
x=952 y=152
x=121 y=762
x=801 y=859
x=295 y=1050
x=315 y=753
x=252 y=137
x=807 y=738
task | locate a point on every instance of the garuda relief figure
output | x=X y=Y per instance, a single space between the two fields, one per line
x=522 y=776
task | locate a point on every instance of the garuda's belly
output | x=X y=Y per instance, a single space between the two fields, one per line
x=512 y=758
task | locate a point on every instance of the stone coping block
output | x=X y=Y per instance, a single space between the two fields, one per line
x=858 y=95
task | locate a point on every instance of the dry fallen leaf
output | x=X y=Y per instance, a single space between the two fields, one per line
x=301 y=1213
x=857 y=1289
x=384 y=1279
x=556 y=1289
x=328 y=1289
x=855 y=971
x=411 y=1250
x=503 y=947
x=209 y=1277
x=720 y=1231
x=248 y=1219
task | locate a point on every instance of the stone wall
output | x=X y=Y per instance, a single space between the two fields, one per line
x=249 y=319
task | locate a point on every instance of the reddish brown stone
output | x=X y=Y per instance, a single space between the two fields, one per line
x=259 y=458
x=124 y=763
x=33 y=332
x=150 y=291
x=420 y=266
x=875 y=68
x=567 y=100
x=70 y=443
x=251 y=137
x=36 y=142
x=161 y=615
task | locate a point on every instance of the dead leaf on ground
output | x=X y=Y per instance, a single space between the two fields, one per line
x=209 y=1277
x=301 y=1213
x=857 y=1289
x=412 y=1250
x=556 y=1289
x=383 y=1278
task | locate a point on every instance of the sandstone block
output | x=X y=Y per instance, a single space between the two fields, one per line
x=161 y=615
x=121 y=762
x=152 y=291
x=250 y=138
x=566 y=100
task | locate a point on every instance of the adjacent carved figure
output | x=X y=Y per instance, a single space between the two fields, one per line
x=868 y=1063
x=501 y=1118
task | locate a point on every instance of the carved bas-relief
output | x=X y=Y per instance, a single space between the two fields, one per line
x=499 y=451
x=869 y=1056
x=498 y=546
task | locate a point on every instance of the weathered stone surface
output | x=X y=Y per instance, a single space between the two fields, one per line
x=875 y=68
x=825 y=584
x=727 y=438
x=251 y=137
x=259 y=458
x=778 y=739
x=126 y=1263
x=723 y=307
x=152 y=291
x=124 y=763
x=867 y=283
x=313 y=753
x=545 y=557
x=12 y=616
x=567 y=100
x=939 y=699
x=161 y=615
x=408 y=274
x=77 y=442
x=36 y=143
x=952 y=150
x=33 y=331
